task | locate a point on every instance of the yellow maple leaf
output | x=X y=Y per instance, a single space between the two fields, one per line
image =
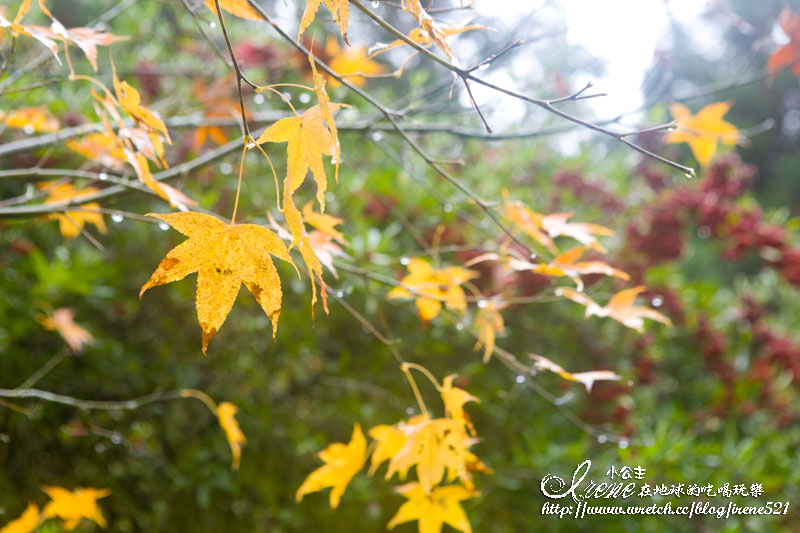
x=454 y=399
x=586 y=378
x=63 y=321
x=433 y=288
x=107 y=150
x=620 y=307
x=71 y=222
x=31 y=119
x=342 y=462
x=27 y=522
x=240 y=8
x=130 y=100
x=435 y=448
x=340 y=9
x=72 y=506
x=226 y=412
x=308 y=140
x=704 y=131
x=389 y=440
x=351 y=62
x=224 y=257
x=489 y=322
x=324 y=223
x=433 y=510
x=428 y=26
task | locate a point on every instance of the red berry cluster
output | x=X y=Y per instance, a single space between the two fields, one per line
x=587 y=192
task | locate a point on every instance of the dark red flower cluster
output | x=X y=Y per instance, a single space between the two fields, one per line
x=587 y=192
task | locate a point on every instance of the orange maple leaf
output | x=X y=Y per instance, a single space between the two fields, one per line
x=788 y=54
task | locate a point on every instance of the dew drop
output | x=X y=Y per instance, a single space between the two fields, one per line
x=602 y=439
x=485 y=66
x=226 y=168
x=163 y=226
x=459 y=326
x=657 y=301
x=251 y=145
x=377 y=136
x=259 y=99
x=288 y=96
x=623 y=443
x=376 y=4
x=410 y=411
x=116 y=217
x=213 y=25
x=116 y=439
x=533 y=255
x=339 y=294
x=29 y=129
x=482 y=304
x=334 y=160
x=691 y=174
x=447 y=207
x=404 y=261
x=304 y=98
x=102 y=176
x=520 y=379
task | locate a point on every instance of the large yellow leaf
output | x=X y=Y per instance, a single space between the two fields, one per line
x=240 y=8
x=433 y=510
x=340 y=9
x=226 y=413
x=704 y=131
x=342 y=462
x=308 y=140
x=26 y=523
x=224 y=257
x=71 y=507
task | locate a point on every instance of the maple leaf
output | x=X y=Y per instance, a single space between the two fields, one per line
x=342 y=462
x=620 y=307
x=389 y=440
x=435 y=447
x=43 y=35
x=433 y=510
x=433 y=288
x=31 y=119
x=789 y=53
x=71 y=507
x=340 y=9
x=429 y=27
x=704 y=131
x=586 y=378
x=454 y=399
x=239 y=8
x=27 y=522
x=489 y=322
x=226 y=412
x=324 y=223
x=350 y=63
x=71 y=222
x=130 y=100
x=308 y=140
x=107 y=150
x=88 y=39
x=63 y=321
x=224 y=257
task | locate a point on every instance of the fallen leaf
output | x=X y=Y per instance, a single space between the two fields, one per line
x=224 y=257
x=704 y=131
x=226 y=412
x=63 y=321
x=433 y=510
x=71 y=507
x=342 y=462
x=586 y=378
